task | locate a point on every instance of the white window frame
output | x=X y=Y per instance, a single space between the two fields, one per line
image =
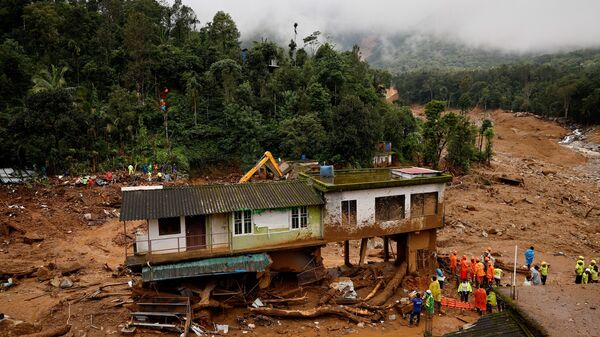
x=245 y=217
x=300 y=216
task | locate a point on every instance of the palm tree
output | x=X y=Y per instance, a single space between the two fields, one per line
x=49 y=80
x=192 y=88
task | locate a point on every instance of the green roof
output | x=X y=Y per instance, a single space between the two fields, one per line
x=501 y=324
x=216 y=198
x=359 y=179
x=213 y=266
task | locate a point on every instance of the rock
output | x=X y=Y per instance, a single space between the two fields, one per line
x=66 y=283
x=391 y=317
x=360 y=325
x=471 y=208
x=484 y=233
x=55 y=282
x=548 y=172
x=87 y=216
x=31 y=238
x=43 y=274
x=378 y=244
x=493 y=231
x=70 y=269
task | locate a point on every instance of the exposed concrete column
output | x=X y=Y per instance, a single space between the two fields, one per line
x=401 y=248
x=386 y=248
x=347 y=253
x=363 y=250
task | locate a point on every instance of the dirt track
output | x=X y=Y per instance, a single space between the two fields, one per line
x=548 y=212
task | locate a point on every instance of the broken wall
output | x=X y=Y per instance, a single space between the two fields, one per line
x=366 y=223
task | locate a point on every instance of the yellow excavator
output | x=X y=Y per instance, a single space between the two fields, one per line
x=266 y=158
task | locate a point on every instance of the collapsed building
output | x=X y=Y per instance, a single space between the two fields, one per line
x=260 y=227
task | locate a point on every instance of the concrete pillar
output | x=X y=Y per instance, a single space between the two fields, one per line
x=363 y=250
x=347 y=253
x=386 y=248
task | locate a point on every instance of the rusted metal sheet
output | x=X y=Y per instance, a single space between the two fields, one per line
x=213 y=199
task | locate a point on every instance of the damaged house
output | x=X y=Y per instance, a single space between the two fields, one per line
x=280 y=226
x=403 y=205
x=222 y=229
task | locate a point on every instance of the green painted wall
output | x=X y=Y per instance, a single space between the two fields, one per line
x=277 y=236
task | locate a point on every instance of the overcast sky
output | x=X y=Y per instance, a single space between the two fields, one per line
x=512 y=25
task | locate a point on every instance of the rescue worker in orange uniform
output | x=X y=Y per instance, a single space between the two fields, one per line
x=453 y=263
x=473 y=270
x=464 y=268
x=490 y=273
x=480 y=272
x=480 y=300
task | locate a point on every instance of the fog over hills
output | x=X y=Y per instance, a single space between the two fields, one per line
x=401 y=35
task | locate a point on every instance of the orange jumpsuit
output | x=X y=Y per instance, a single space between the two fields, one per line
x=479 y=269
x=480 y=299
x=453 y=263
x=473 y=270
x=490 y=273
x=464 y=269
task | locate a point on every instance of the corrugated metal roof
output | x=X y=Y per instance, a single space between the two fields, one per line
x=493 y=325
x=212 y=199
x=11 y=176
x=217 y=265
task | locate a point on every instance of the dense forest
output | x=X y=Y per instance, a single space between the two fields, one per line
x=95 y=85
x=561 y=85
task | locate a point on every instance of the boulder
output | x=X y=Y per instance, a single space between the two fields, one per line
x=66 y=283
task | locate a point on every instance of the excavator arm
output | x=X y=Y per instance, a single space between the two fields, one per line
x=267 y=157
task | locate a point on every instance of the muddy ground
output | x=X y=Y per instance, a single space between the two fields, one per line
x=58 y=227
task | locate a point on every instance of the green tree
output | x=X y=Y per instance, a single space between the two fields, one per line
x=489 y=137
x=302 y=135
x=356 y=132
x=399 y=126
x=434 y=133
x=51 y=80
x=461 y=141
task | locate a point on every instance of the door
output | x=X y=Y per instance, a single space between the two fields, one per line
x=195 y=232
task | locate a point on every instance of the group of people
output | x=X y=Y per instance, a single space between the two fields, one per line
x=538 y=274
x=476 y=271
x=153 y=169
x=583 y=274
x=480 y=271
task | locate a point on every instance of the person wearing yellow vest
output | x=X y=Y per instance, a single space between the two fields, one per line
x=579 y=269
x=491 y=301
x=464 y=289
x=436 y=292
x=497 y=276
x=593 y=272
x=585 y=279
x=544 y=271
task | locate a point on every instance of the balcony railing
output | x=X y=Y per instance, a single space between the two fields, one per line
x=183 y=243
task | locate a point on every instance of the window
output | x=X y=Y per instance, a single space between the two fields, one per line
x=169 y=226
x=349 y=212
x=389 y=208
x=242 y=222
x=423 y=204
x=299 y=217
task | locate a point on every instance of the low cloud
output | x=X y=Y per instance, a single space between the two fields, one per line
x=509 y=25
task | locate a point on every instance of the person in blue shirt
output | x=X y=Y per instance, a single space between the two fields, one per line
x=529 y=254
x=416 y=311
x=440 y=277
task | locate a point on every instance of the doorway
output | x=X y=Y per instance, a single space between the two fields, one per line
x=195 y=232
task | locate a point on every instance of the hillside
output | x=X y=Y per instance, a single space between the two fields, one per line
x=48 y=225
